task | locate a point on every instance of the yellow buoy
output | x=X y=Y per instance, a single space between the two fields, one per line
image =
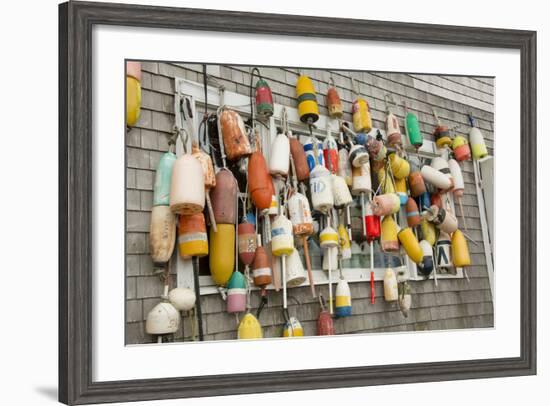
x=386 y=181
x=459 y=250
x=362 y=121
x=133 y=100
x=428 y=231
x=410 y=244
x=293 y=328
x=222 y=253
x=388 y=237
x=192 y=240
x=399 y=166
x=307 y=100
x=249 y=328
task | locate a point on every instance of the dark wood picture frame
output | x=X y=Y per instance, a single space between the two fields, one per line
x=76 y=20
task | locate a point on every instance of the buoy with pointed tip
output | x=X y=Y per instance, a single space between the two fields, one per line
x=426 y=266
x=340 y=192
x=442 y=166
x=388 y=237
x=342 y=306
x=224 y=197
x=443 y=251
x=293 y=328
x=192 y=238
x=163 y=179
x=222 y=253
x=410 y=243
x=458 y=186
x=249 y=328
x=459 y=250
x=183 y=299
x=162 y=234
x=235 y=139
x=295 y=272
x=390 y=286
x=133 y=92
x=320 y=182
x=279 y=160
x=236 y=293
x=260 y=186
x=164 y=318
x=479 y=148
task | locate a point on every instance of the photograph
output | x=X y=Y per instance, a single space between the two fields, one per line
x=277 y=202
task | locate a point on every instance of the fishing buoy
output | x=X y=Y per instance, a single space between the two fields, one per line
x=461 y=149
x=192 y=238
x=361 y=180
x=162 y=234
x=372 y=224
x=458 y=185
x=435 y=200
x=344 y=166
x=259 y=181
x=300 y=214
x=443 y=219
x=261 y=269
x=300 y=160
x=309 y=150
x=393 y=131
x=443 y=251
x=325 y=324
x=222 y=253
x=384 y=179
x=264 y=99
x=340 y=192
x=426 y=266
x=164 y=318
x=163 y=179
x=320 y=183
x=425 y=201
x=207 y=166
x=442 y=166
x=235 y=140
x=295 y=272
x=249 y=328
x=399 y=166
x=435 y=177
x=441 y=133
x=361 y=116
x=416 y=184
x=224 y=197
x=390 y=286
x=388 y=236
x=183 y=299
x=282 y=241
x=459 y=250
x=358 y=156
x=405 y=298
x=413 y=129
x=479 y=149
x=236 y=293
x=410 y=243
x=330 y=152
x=375 y=147
x=428 y=231
x=133 y=92
x=273 y=207
x=342 y=307
x=345 y=243
x=401 y=190
x=187 y=195
x=386 y=204
x=334 y=104
x=308 y=110
x=413 y=215
x=280 y=156
x=293 y=328
x=246 y=235
x=328 y=240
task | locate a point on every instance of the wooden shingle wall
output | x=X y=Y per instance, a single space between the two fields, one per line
x=451 y=304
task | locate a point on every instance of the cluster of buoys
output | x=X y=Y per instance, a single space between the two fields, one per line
x=301 y=195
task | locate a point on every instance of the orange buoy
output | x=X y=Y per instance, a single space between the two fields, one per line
x=413 y=215
x=334 y=104
x=261 y=268
x=235 y=140
x=192 y=238
x=300 y=160
x=246 y=235
x=260 y=186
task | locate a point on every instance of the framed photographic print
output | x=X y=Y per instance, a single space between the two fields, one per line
x=262 y=202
